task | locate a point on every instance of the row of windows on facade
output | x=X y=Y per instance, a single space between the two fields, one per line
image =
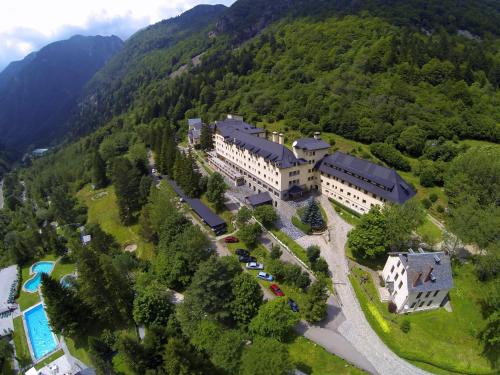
x=256 y=157
x=354 y=196
x=421 y=304
x=338 y=197
x=359 y=177
x=352 y=186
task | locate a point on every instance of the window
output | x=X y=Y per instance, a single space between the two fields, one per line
x=400 y=284
x=403 y=271
x=399 y=263
x=419 y=295
x=428 y=294
x=421 y=304
x=429 y=303
x=413 y=305
x=436 y=293
x=397 y=276
x=392 y=269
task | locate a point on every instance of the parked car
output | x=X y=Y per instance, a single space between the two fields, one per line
x=247 y=259
x=293 y=305
x=255 y=266
x=231 y=239
x=242 y=252
x=276 y=290
x=265 y=276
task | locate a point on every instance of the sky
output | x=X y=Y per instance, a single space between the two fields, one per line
x=28 y=25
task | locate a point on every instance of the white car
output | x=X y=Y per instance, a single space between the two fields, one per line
x=255 y=266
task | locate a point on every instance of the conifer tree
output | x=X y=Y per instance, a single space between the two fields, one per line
x=99 y=177
x=126 y=179
x=64 y=309
x=206 y=140
x=312 y=215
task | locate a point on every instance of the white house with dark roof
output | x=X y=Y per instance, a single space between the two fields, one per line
x=269 y=165
x=418 y=280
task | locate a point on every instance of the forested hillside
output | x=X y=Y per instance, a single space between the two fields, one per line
x=414 y=85
x=37 y=93
x=142 y=60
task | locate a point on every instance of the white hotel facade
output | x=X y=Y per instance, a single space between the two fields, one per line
x=269 y=166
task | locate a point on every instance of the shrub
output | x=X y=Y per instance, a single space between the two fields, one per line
x=276 y=252
x=405 y=326
x=320 y=266
x=440 y=208
x=390 y=156
x=266 y=215
x=303 y=281
x=433 y=197
x=313 y=253
x=392 y=307
x=427 y=203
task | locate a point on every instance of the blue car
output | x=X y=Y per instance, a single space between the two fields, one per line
x=265 y=276
x=293 y=305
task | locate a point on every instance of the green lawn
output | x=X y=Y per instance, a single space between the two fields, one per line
x=313 y=359
x=345 y=213
x=441 y=342
x=78 y=351
x=298 y=250
x=51 y=358
x=102 y=209
x=430 y=232
x=21 y=343
x=61 y=269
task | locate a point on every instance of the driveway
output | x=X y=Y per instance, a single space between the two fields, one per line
x=355 y=329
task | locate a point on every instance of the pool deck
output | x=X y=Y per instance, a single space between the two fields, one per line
x=26 y=331
x=33 y=274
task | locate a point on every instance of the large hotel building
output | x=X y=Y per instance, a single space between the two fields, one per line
x=243 y=152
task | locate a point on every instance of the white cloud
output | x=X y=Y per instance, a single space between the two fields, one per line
x=27 y=25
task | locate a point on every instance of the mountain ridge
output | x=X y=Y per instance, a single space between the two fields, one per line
x=37 y=92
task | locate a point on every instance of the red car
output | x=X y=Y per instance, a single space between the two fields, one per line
x=276 y=290
x=231 y=239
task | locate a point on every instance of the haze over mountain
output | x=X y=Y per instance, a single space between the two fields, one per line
x=37 y=93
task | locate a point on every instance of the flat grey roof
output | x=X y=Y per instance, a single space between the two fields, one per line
x=205 y=213
x=376 y=179
x=259 y=199
x=8 y=277
x=194 y=121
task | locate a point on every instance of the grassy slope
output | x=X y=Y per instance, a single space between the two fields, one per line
x=20 y=342
x=442 y=340
x=313 y=359
x=104 y=211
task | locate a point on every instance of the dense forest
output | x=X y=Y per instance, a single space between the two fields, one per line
x=411 y=83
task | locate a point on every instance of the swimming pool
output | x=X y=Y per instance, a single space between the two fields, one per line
x=40 y=336
x=37 y=269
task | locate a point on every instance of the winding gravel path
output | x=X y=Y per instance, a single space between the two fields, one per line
x=356 y=329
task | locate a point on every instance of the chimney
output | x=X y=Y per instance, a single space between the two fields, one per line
x=281 y=139
x=275 y=137
x=417 y=278
x=428 y=276
x=317 y=135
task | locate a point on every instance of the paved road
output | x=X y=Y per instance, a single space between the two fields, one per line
x=355 y=328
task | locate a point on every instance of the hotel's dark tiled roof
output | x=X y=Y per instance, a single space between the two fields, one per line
x=427 y=271
x=243 y=136
x=311 y=144
x=382 y=181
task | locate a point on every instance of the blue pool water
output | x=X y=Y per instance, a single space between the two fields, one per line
x=41 y=267
x=39 y=333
